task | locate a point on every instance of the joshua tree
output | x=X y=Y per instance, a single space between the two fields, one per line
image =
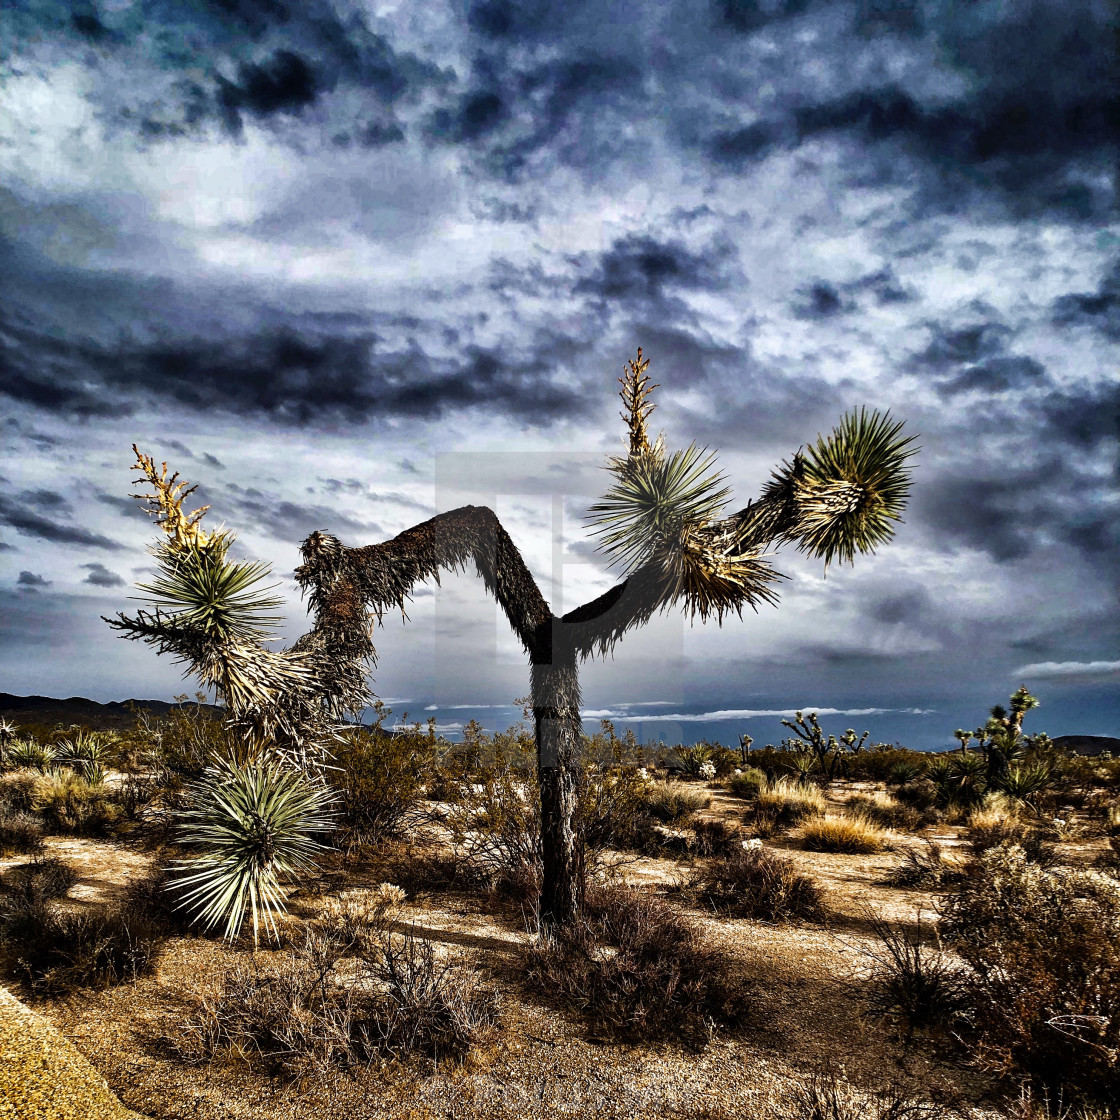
x=829 y=754
x=660 y=520
x=745 y=746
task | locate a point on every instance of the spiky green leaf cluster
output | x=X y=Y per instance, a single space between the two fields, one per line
x=255 y=823
x=654 y=500
x=210 y=593
x=845 y=492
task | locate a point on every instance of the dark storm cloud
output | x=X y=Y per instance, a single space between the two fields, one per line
x=951 y=347
x=283 y=83
x=291 y=521
x=1080 y=417
x=1012 y=513
x=640 y=268
x=293 y=378
x=22 y=514
x=100 y=576
x=902 y=606
x=267 y=61
x=820 y=301
x=1099 y=310
x=1015 y=131
x=29 y=581
x=996 y=375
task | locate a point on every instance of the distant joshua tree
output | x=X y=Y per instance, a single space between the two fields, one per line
x=660 y=520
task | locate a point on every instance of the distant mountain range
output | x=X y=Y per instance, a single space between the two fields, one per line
x=116 y=717
x=88 y=713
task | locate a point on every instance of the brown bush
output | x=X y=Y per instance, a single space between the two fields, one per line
x=635 y=968
x=303 y=1015
x=1043 y=948
x=757 y=883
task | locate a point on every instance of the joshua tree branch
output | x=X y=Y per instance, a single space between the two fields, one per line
x=345 y=580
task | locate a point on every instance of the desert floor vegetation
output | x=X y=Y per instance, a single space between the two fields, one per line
x=761 y=944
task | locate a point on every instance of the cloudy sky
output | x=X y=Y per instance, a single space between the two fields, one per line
x=347 y=265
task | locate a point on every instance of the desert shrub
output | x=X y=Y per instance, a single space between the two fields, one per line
x=746 y=783
x=927 y=868
x=1043 y=949
x=34 y=883
x=1112 y=820
x=429 y=1006
x=379 y=778
x=55 y=951
x=305 y=1015
x=913 y=980
x=825 y=1095
x=887 y=811
x=754 y=882
x=876 y=764
x=615 y=808
x=135 y=795
x=74 y=805
x=788 y=802
x=714 y=838
x=920 y=794
x=20 y=833
x=635 y=968
x=999 y=824
x=495 y=828
x=17 y=791
x=673 y=803
x=855 y=835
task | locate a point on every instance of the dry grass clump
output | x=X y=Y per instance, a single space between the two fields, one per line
x=17 y=791
x=887 y=811
x=351 y=994
x=637 y=969
x=755 y=882
x=927 y=868
x=787 y=802
x=714 y=838
x=73 y=804
x=55 y=951
x=1043 y=950
x=674 y=802
x=854 y=835
x=999 y=822
x=825 y=1095
x=20 y=833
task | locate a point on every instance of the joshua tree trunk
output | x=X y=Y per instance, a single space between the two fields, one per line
x=555 y=689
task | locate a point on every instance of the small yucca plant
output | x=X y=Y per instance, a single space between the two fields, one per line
x=31 y=755
x=256 y=824
x=1025 y=782
x=84 y=754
